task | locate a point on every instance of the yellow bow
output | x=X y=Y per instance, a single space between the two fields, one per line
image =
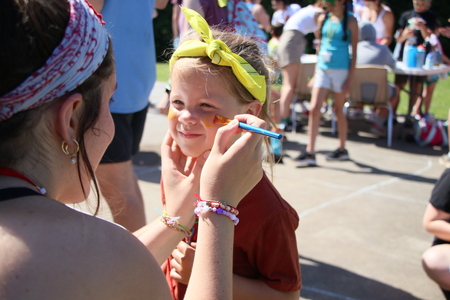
x=221 y=55
x=222 y=3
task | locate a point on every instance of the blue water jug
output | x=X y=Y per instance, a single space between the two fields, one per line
x=411 y=53
x=420 y=57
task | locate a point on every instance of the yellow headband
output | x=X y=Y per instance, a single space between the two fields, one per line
x=221 y=55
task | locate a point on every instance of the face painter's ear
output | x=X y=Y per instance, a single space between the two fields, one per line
x=254 y=107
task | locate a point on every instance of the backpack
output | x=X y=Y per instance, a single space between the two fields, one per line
x=430 y=133
x=241 y=21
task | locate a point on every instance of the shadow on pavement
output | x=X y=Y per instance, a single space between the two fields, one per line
x=365 y=169
x=147 y=166
x=322 y=281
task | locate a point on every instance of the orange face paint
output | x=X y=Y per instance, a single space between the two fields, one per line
x=220 y=120
x=171 y=114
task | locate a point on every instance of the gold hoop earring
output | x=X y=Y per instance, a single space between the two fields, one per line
x=65 y=149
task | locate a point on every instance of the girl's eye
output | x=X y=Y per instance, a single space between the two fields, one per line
x=177 y=103
x=206 y=105
x=111 y=100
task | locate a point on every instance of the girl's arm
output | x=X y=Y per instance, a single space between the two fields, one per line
x=262 y=17
x=388 y=20
x=181 y=179
x=436 y=222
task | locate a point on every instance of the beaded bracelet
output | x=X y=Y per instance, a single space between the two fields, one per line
x=172 y=222
x=217 y=207
x=218 y=204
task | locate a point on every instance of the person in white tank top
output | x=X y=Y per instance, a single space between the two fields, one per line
x=382 y=19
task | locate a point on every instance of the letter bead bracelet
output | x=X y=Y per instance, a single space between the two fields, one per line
x=220 y=208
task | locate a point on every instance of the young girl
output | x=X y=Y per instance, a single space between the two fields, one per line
x=334 y=72
x=208 y=80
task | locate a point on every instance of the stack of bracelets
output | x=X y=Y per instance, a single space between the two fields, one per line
x=172 y=222
x=217 y=207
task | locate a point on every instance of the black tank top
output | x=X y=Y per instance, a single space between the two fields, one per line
x=12 y=193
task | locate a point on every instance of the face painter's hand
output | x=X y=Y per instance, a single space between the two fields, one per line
x=180 y=179
x=232 y=170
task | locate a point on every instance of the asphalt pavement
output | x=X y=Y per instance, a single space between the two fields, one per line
x=360 y=234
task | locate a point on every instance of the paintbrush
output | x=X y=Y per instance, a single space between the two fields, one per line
x=223 y=121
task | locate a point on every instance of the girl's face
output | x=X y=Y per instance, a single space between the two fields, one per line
x=370 y=3
x=276 y=5
x=334 y=6
x=421 y=6
x=195 y=99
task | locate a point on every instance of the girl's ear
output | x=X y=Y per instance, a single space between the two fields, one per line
x=68 y=117
x=254 y=108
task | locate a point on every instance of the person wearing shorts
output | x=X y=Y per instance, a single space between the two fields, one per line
x=334 y=73
x=136 y=74
x=415 y=26
x=290 y=49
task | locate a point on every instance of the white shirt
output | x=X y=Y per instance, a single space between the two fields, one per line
x=280 y=16
x=303 y=20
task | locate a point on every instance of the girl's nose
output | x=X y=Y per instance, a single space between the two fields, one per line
x=188 y=117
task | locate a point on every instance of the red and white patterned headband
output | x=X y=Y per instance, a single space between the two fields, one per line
x=77 y=57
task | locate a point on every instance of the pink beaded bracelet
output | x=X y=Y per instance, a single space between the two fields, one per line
x=217 y=207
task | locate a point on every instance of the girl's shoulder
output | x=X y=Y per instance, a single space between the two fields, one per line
x=55 y=250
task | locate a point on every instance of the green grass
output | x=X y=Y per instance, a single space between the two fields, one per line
x=440 y=104
x=162 y=71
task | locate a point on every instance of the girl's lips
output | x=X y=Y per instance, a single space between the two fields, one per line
x=188 y=135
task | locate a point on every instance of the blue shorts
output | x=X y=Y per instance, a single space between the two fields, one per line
x=331 y=79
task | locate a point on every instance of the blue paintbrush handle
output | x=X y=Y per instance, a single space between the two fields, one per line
x=260 y=130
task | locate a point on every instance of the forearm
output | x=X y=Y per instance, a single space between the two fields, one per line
x=439 y=228
x=159 y=239
x=248 y=289
x=212 y=269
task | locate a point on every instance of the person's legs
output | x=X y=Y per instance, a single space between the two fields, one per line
x=436 y=263
x=290 y=75
x=317 y=98
x=400 y=82
x=342 y=123
x=115 y=174
x=427 y=95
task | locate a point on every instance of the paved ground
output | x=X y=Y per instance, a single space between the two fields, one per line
x=360 y=234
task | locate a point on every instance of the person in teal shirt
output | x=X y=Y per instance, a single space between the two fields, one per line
x=334 y=73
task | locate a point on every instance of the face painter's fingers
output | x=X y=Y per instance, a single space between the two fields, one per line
x=198 y=166
x=231 y=171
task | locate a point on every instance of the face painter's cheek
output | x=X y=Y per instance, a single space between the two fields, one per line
x=171 y=115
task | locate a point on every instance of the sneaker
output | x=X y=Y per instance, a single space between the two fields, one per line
x=338 y=154
x=306 y=159
x=445 y=160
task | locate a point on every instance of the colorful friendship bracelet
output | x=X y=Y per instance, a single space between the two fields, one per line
x=217 y=207
x=172 y=222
